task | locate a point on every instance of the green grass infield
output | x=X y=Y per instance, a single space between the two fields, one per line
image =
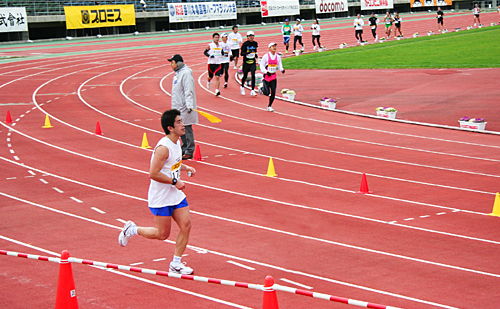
x=475 y=48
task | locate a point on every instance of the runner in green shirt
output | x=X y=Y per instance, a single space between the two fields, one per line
x=286 y=29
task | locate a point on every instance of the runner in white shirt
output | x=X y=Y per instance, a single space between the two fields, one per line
x=235 y=40
x=214 y=53
x=226 y=51
x=477 y=20
x=297 y=34
x=315 y=34
x=358 y=25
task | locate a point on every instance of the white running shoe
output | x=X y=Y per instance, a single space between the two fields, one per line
x=475 y=25
x=315 y=47
x=376 y=38
x=270 y=109
x=126 y=233
x=180 y=268
x=253 y=93
x=217 y=92
x=302 y=48
x=208 y=85
x=235 y=67
x=242 y=90
x=225 y=85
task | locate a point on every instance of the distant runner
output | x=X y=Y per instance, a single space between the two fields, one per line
x=315 y=35
x=297 y=34
x=235 y=40
x=388 y=24
x=440 y=18
x=214 y=54
x=226 y=51
x=477 y=20
x=250 y=57
x=358 y=26
x=373 y=25
x=397 y=24
x=286 y=30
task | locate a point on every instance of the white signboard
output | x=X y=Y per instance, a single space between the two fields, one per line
x=271 y=8
x=331 y=6
x=376 y=4
x=13 y=19
x=182 y=12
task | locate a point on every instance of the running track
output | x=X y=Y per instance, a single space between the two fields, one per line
x=421 y=240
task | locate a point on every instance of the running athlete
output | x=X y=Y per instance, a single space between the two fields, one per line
x=297 y=34
x=358 y=25
x=440 y=18
x=397 y=24
x=477 y=10
x=214 y=54
x=165 y=197
x=269 y=64
x=286 y=30
x=226 y=50
x=315 y=34
x=235 y=40
x=373 y=25
x=388 y=24
x=250 y=58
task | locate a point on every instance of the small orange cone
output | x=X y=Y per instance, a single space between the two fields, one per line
x=364 y=185
x=9 y=119
x=47 y=122
x=270 y=169
x=145 y=143
x=98 y=129
x=66 y=292
x=496 y=206
x=270 y=298
x=197 y=154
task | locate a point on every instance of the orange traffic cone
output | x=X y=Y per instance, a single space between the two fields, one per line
x=9 y=119
x=197 y=154
x=364 y=185
x=98 y=129
x=270 y=298
x=66 y=293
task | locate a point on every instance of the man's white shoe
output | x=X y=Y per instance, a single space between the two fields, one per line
x=253 y=93
x=270 y=109
x=126 y=233
x=208 y=85
x=180 y=268
x=315 y=47
x=242 y=90
x=217 y=92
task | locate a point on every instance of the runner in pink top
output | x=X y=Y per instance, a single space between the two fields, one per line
x=269 y=64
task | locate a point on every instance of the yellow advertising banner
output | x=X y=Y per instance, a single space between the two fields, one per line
x=78 y=17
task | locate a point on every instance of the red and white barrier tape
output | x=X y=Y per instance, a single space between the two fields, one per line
x=258 y=287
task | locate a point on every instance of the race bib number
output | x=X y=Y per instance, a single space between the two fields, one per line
x=271 y=68
x=217 y=51
x=374 y=27
x=234 y=42
x=176 y=170
x=250 y=55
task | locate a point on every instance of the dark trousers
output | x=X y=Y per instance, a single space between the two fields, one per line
x=316 y=37
x=295 y=39
x=270 y=88
x=359 y=35
x=225 y=71
x=248 y=68
x=188 y=141
x=374 y=32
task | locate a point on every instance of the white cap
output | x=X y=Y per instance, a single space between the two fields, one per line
x=249 y=33
x=223 y=35
x=271 y=44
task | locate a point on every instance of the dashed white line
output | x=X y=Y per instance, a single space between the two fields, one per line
x=18 y=119
x=121 y=220
x=440 y=213
x=233 y=154
x=10 y=178
x=241 y=265
x=12 y=151
x=9 y=145
x=409 y=219
x=98 y=210
x=455 y=210
x=21 y=116
x=75 y=199
x=16 y=158
x=426 y=216
x=8 y=139
x=31 y=172
x=218 y=156
x=297 y=284
x=134 y=264
x=30 y=176
x=43 y=181
x=160 y=259
x=58 y=190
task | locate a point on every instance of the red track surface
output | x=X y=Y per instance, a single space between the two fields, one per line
x=421 y=240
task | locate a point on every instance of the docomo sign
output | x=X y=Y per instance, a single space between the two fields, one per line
x=376 y=4
x=331 y=6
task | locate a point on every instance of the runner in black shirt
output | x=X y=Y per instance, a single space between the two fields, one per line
x=440 y=18
x=373 y=25
x=249 y=54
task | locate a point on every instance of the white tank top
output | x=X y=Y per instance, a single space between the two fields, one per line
x=162 y=194
x=216 y=51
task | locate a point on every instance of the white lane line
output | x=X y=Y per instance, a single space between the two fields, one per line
x=31 y=172
x=160 y=259
x=10 y=178
x=43 y=181
x=135 y=264
x=426 y=216
x=16 y=158
x=409 y=219
x=440 y=213
x=75 y=199
x=121 y=220
x=297 y=284
x=29 y=176
x=218 y=156
x=58 y=190
x=98 y=210
x=8 y=140
x=12 y=151
x=9 y=145
x=241 y=265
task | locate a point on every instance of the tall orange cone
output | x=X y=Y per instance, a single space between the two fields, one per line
x=145 y=143
x=496 y=206
x=47 y=122
x=270 y=298
x=270 y=169
x=9 y=118
x=197 y=154
x=364 y=185
x=98 y=129
x=66 y=292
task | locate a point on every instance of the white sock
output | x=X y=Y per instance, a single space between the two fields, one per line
x=133 y=230
x=177 y=259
